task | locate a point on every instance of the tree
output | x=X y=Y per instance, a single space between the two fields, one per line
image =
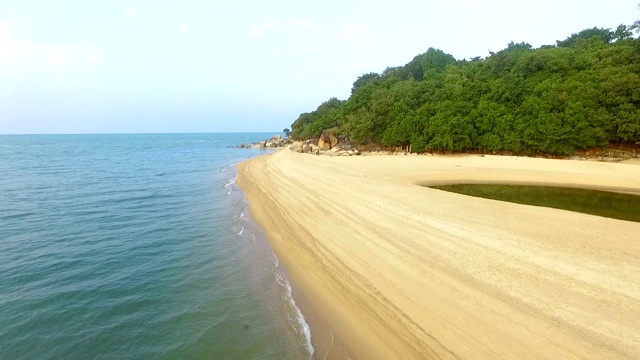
x=606 y=35
x=364 y=80
x=622 y=32
x=504 y=60
x=425 y=65
x=286 y=132
x=581 y=93
x=309 y=125
x=636 y=24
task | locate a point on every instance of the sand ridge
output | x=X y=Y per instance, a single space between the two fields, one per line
x=398 y=270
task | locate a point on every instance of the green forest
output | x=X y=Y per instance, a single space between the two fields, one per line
x=581 y=93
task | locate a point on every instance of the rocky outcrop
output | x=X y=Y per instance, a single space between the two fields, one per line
x=275 y=142
x=345 y=145
x=327 y=140
x=296 y=146
x=278 y=141
x=313 y=146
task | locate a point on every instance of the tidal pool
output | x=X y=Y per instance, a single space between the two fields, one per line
x=595 y=202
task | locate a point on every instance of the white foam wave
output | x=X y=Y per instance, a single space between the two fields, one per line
x=229 y=167
x=244 y=233
x=295 y=318
x=231 y=182
x=274 y=260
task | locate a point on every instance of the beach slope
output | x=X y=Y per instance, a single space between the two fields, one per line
x=399 y=270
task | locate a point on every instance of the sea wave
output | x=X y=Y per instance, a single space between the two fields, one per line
x=230 y=182
x=274 y=260
x=295 y=318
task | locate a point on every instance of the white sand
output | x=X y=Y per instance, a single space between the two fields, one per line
x=398 y=270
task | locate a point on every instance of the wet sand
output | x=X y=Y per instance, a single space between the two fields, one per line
x=398 y=270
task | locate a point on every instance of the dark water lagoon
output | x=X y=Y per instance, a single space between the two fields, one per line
x=595 y=202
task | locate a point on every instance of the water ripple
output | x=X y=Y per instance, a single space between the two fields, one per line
x=127 y=246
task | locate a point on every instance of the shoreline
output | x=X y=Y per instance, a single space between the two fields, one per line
x=325 y=345
x=392 y=276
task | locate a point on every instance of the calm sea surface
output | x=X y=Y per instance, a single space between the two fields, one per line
x=137 y=247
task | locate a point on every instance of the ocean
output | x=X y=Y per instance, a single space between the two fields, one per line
x=137 y=246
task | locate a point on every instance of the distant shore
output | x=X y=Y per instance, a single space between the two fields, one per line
x=397 y=270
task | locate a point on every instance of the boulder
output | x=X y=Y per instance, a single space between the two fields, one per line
x=296 y=146
x=346 y=145
x=327 y=140
x=275 y=142
x=306 y=149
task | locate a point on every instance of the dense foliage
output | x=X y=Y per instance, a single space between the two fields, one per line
x=582 y=92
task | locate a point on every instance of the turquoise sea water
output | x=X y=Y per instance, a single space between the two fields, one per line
x=137 y=247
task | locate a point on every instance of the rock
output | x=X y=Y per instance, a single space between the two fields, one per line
x=306 y=149
x=296 y=146
x=327 y=140
x=275 y=142
x=346 y=145
x=324 y=145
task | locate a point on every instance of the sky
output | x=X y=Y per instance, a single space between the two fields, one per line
x=95 y=66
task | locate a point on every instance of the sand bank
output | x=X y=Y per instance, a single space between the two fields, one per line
x=398 y=270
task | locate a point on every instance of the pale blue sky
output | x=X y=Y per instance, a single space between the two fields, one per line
x=94 y=66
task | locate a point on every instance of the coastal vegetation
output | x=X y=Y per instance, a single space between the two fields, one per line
x=582 y=92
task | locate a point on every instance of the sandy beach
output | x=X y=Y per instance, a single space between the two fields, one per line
x=401 y=271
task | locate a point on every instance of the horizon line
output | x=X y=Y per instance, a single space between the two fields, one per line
x=147 y=133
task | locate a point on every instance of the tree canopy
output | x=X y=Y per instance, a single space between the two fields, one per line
x=582 y=92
